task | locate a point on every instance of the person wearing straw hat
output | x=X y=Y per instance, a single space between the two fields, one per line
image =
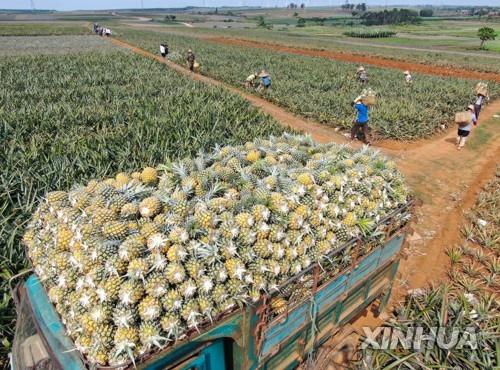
x=250 y=80
x=265 y=80
x=408 y=78
x=190 y=60
x=361 y=122
x=465 y=129
x=362 y=75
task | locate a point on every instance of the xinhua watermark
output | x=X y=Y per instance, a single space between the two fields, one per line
x=420 y=338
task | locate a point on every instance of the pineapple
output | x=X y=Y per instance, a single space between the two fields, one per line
x=149 y=308
x=172 y=301
x=149 y=176
x=138 y=268
x=172 y=326
x=150 y=207
x=156 y=285
x=175 y=273
x=253 y=156
x=115 y=230
x=149 y=336
x=130 y=293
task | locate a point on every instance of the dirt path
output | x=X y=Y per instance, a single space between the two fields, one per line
x=361 y=59
x=445 y=179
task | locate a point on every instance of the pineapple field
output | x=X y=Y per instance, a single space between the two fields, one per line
x=69 y=119
x=153 y=204
x=142 y=259
x=469 y=300
x=323 y=90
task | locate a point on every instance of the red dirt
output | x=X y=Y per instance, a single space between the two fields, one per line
x=446 y=180
x=361 y=59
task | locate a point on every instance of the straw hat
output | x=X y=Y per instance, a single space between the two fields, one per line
x=263 y=73
x=470 y=107
x=361 y=68
x=190 y=51
x=406 y=72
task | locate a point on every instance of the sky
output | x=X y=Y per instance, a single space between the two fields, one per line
x=121 y=4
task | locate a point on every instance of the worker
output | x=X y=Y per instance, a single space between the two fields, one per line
x=479 y=104
x=362 y=75
x=107 y=32
x=361 y=122
x=265 y=80
x=250 y=81
x=408 y=78
x=190 y=60
x=162 y=50
x=95 y=27
x=464 y=130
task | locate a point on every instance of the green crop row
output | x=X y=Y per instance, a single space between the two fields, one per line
x=370 y=34
x=323 y=89
x=65 y=120
x=44 y=29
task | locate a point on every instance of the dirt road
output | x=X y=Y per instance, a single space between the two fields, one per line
x=445 y=179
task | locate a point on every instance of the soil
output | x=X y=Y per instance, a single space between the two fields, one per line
x=362 y=59
x=444 y=179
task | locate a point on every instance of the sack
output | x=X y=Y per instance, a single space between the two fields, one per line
x=369 y=100
x=196 y=66
x=463 y=118
x=266 y=81
x=368 y=97
x=482 y=88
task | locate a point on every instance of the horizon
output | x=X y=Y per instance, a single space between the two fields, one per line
x=96 y=5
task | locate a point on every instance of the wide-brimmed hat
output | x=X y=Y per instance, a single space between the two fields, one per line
x=361 y=68
x=190 y=51
x=406 y=72
x=470 y=107
x=263 y=73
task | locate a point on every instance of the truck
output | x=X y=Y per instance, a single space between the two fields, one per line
x=312 y=328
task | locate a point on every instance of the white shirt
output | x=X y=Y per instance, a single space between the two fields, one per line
x=480 y=100
x=408 y=78
x=162 y=49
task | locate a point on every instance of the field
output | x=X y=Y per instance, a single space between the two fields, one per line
x=448 y=44
x=323 y=90
x=75 y=107
x=91 y=121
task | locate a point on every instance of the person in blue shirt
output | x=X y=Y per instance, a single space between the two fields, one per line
x=361 y=122
x=265 y=80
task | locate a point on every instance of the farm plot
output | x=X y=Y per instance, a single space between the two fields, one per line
x=43 y=29
x=323 y=90
x=27 y=45
x=66 y=120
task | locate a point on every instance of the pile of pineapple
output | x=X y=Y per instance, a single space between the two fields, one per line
x=136 y=262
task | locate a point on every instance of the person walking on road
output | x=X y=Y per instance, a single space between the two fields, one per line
x=465 y=128
x=478 y=104
x=191 y=60
x=361 y=122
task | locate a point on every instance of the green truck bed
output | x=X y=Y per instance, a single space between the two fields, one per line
x=253 y=337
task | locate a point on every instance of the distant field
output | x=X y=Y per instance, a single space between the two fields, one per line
x=42 y=29
x=28 y=45
x=323 y=90
x=322 y=38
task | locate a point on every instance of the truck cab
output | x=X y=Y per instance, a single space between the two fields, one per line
x=321 y=301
